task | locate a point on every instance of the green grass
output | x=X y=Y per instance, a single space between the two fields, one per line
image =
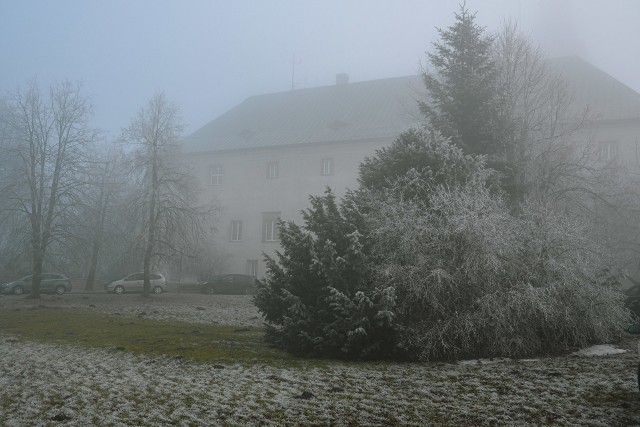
x=199 y=342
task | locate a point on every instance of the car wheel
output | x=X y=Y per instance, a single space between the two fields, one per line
x=157 y=290
x=18 y=290
x=118 y=290
x=60 y=290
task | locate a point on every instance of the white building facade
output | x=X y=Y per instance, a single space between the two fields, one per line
x=262 y=159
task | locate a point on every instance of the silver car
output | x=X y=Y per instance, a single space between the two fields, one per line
x=50 y=283
x=135 y=283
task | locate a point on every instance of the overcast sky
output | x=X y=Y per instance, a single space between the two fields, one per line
x=210 y=55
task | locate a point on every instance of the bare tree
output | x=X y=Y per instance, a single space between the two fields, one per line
x=552 y=144
x=105 y=190
x=171 y=221
x=47 y=134
x=12 y=242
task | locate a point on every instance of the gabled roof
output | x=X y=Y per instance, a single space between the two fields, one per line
x=605 y=97
x=344 y=112
x=378 y=109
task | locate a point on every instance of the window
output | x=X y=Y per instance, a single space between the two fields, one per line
x=272 y=170
x=270 y=226
x=216 y=174
x=252 y=267
x=236 y=231
x=608 y=151
x=327 y=167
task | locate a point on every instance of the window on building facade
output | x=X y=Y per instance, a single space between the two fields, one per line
x=327 y=166
x=270 y=226
x=252 y=267
x=236 y=231
x=608 y=151
x=272 y=170
x=215 y=172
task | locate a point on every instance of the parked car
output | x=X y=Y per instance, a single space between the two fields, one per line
x=229 y=284
x=50 y=283
x=135 y=283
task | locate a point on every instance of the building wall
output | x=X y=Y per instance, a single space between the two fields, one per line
x=246 y=193
x=618 y=144
x=619 y=141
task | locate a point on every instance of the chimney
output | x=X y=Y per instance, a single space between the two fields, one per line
x=342 y=79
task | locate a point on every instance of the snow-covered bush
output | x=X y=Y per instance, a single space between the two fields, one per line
x=432 y=158
x=317 y=298
x=473 y=280
x=426 y=261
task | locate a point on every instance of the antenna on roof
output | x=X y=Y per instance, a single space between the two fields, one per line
x=293 y=70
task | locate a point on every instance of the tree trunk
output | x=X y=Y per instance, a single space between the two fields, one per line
x=151 y=232
x=146 y=292
x=36 y=278
x=91 y=275
x=95 y=250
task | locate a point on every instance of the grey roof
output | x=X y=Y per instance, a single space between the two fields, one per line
x=348 y=112
x=606 y=97
x=377 y=109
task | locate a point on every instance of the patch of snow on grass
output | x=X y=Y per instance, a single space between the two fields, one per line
x=600 y=350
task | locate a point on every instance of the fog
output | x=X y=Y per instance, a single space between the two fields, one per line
x=208 y=56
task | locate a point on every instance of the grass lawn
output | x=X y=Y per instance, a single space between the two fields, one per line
x=198 y=342
x=82 y=366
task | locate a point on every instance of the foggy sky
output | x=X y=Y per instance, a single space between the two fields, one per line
x=209 y=55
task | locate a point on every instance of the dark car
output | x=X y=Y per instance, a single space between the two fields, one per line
x=50 y=283
x=229 y=284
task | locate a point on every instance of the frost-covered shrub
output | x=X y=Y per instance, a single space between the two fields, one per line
x=473 y=280
x=317 y=297
x=426 y=261
x=432 y=158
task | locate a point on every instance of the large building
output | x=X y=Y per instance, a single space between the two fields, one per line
x=263 y=158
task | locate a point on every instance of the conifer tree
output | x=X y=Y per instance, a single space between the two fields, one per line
x=462 y=88
x=317 y=297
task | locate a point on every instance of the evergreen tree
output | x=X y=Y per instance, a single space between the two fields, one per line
x=463 y=93
x=425 y=261
x=317 y=296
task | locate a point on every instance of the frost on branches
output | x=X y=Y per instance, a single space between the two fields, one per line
x=430 y=263
x=472 y=280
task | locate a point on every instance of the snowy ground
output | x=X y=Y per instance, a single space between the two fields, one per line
x=44 y=384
